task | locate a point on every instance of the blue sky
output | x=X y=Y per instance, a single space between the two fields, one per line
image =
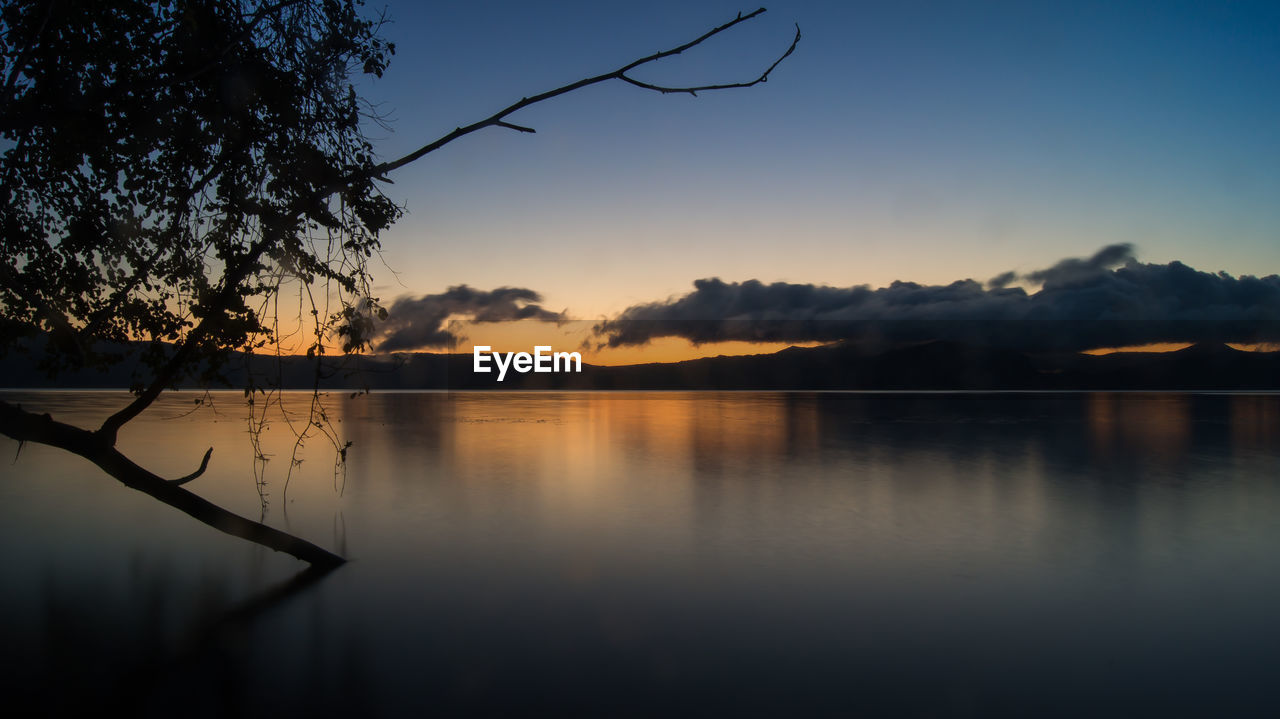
x=921 y=141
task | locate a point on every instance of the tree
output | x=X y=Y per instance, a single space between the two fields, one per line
x=168 y=167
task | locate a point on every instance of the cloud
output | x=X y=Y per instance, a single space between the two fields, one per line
x=1109 y=299
x=415 y=323
x=1082 y=270
x=1004 y=279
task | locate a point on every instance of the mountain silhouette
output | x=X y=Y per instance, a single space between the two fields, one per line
x=927 y=366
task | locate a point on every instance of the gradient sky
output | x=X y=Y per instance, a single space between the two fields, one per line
x=922 y=141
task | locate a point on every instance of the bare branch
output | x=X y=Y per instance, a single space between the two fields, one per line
x=764 y=77
x=23 y=425
x=498 y=119
x=204 y=464
x=517 y=128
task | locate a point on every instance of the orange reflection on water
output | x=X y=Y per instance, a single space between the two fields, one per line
x=1157 y=425
x=1255 y=422
x=579 y=484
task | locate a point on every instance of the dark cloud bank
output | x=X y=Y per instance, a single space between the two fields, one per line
x=1106 y=300
x=414 y=323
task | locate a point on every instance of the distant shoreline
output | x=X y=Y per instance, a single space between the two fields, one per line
x=931 y=367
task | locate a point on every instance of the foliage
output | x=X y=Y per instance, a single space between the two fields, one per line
x=167 y=166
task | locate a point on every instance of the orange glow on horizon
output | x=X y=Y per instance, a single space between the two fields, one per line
x=675 y=349
x=1175 y=346
x=663 y=349
x=1152 y=347
x=579 y=336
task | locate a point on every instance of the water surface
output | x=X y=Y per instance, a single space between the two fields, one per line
x=642 y=553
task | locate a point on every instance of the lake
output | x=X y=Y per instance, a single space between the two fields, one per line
x=638 y=554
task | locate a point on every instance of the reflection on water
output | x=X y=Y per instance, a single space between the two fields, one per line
x=633 y=553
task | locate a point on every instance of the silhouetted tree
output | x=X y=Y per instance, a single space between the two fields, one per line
x=167 y=167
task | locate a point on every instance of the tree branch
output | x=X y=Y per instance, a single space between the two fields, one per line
x=233 y=277
x=204 y=464
x=23 y=425
x=163 y=379
x=764 y=77
x=497 y=119
x=99 y=446
x=517 y=128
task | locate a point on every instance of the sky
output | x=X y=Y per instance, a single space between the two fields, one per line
x=919 y=141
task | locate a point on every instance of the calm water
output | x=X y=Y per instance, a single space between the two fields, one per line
x=651 y=553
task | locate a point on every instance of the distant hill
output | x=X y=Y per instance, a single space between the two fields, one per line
x=936 y=365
